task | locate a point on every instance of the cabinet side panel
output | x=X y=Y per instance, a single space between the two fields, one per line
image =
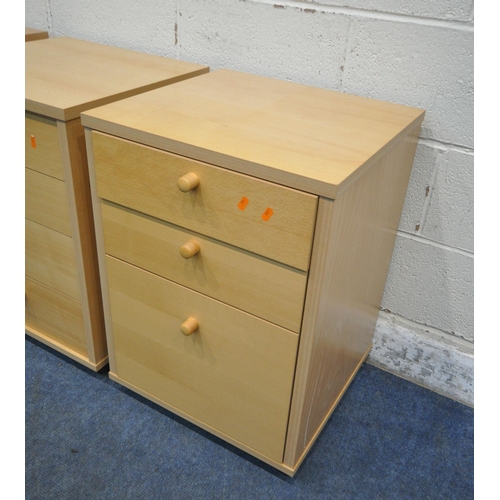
x=352 y=250
x=101 y=252
x=72 y=137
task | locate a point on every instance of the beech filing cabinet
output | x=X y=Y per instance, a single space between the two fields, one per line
x=245 y=227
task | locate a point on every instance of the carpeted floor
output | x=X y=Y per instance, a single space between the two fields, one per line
x=88 y=438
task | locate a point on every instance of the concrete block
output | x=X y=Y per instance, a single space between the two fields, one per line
x=432 y=359
x=418 y=188
x=459 y=10
x=450 y=216
x=431 y=285
x=36 y=14
x=145 y=26
x=275 y=41
x=430 y=67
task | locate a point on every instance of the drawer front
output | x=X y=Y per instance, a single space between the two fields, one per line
x=50 y=259
x=259 y=286
x=41 y=146
x=255 y=215
x=234 y=373
x=46 y=201
x=55 y=315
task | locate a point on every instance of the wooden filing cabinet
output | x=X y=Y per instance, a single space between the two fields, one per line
x=245 y=227
x=64 y=77
x=31 y=34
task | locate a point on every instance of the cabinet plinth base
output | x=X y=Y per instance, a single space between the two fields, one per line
x=289 y=471
x=65 y=350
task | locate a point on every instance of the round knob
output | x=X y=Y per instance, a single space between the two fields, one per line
x=188 y=182
x=189 y=326
x=189 y=249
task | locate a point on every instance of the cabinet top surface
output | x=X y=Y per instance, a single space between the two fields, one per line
x=65 y=76
x=304 y=137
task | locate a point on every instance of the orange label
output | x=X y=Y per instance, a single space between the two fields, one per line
x=267 y=214
x=243 y=203
x=33 y=141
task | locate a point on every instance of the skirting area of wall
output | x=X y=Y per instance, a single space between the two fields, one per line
x=427 y=357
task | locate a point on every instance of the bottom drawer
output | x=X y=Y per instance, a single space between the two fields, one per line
x=234 y=373
x=55 y=316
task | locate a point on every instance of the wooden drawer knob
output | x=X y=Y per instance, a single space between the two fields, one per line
x=189 y=326
x=189 y=249
x=188 y=182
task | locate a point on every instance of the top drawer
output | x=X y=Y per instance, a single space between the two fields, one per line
x=41 y=146
x=264 y=218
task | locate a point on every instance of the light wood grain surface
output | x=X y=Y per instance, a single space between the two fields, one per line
x=50 y=259
x=41 y=146
x=354 y=153
x=353 y=245
x=312 y=139
x=271 y=291
x=64 y=76
x=71 y=135
x=32 y=34
x=145 y=180
x=46 y=201
x=60 y=248
x=234 y=373
x=55 y=316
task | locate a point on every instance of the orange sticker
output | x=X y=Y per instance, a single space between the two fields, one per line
x=267 y=214
x=33 y=141
x=243 y=203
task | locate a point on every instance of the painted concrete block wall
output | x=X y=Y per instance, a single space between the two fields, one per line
x=418 y=53
x=460 y=10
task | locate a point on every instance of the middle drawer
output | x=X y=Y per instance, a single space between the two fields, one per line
x=269 y=290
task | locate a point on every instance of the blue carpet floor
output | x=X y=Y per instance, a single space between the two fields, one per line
x=89 y=438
